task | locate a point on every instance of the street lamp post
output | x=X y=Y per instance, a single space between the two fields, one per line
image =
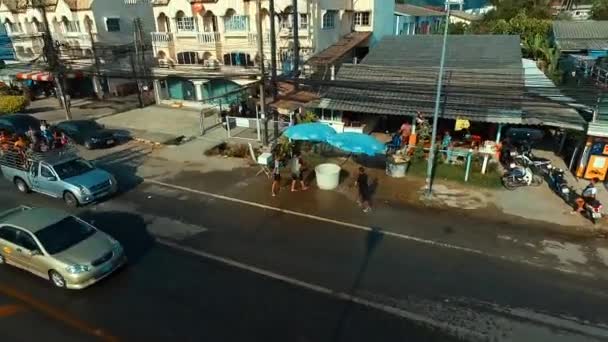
x=431 y=160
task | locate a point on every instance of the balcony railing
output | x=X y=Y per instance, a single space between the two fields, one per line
x=162 y=37
x=253 y=38
x=208 y=37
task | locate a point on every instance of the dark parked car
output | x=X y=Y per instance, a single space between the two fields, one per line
x=88 y=133
x=18 y=123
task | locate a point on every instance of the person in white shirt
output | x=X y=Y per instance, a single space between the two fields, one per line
x=589 y=193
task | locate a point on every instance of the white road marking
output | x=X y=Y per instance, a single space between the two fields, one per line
x=503 y=328
x=317 y=218
x=462 y=332
x=368 y=229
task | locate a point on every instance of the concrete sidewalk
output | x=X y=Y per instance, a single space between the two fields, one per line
x=49 y=109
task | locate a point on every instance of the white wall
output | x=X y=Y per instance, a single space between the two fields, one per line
x=103 y=9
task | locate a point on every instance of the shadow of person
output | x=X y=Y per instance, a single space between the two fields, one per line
x=127 y=228
x=372 y=240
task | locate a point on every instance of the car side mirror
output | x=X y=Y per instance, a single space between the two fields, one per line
x=35 y=252
x=51 y=178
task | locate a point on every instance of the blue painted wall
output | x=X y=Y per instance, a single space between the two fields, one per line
x=6 y=46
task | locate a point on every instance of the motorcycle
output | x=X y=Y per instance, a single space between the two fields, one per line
x=559 y=184
x=518 y=176
x=593 y=209
x=525 y=157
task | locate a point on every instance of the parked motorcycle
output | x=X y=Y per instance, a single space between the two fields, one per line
x=559 y=184
x=518 y=176
x=525 y=157
x=593 y=210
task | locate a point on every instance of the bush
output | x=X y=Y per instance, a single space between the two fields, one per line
x=12 y=104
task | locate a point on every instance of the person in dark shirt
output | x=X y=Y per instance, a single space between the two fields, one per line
x=363 y=189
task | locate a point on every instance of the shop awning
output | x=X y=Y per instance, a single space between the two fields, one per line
x=44 y=76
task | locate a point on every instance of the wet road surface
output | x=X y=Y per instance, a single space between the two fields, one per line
x=166 y=293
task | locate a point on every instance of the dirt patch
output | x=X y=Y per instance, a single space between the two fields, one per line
x=231 y=150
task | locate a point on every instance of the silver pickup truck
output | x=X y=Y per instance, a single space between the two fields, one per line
x=60 y=175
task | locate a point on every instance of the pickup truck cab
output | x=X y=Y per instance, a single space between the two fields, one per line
x=65 y=176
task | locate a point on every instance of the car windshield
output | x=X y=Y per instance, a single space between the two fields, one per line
x=87 y=126
x=73 y=168
x=64 y=234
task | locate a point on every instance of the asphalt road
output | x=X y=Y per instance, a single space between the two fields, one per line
x=168 y=293
x=165 y=294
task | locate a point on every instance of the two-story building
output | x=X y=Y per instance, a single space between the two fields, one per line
x=75 y=25
x=216 y=41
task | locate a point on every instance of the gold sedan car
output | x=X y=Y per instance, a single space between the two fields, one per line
x=57 y=246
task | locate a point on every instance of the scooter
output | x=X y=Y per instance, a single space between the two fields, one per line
x=518 y=176
x=559 y=184
x=526 y=158
x=593 y=208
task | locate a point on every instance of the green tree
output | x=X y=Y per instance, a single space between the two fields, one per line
x=599 y=10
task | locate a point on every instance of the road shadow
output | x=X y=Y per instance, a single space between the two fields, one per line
x=123 y=164
x=128 y=228
x=34 y=110
x=372 y=240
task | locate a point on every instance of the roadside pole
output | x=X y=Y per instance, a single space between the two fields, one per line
x=134 y=73
x=296 y=43
x=273 y=51
x=262 y=71
x=50 y=51
x=97 y=78
x=133 y=65
x=431 y=161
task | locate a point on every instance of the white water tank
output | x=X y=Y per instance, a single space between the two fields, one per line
x=328 y=176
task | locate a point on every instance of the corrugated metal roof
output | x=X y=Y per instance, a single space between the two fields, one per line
x=582 y=44
x=463 y=51
x=398 y=91
x=581 y=35
x=417 y=11
x=338 y=50
x=465 y=15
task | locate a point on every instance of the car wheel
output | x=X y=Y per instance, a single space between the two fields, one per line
x=2 y=260
x=88 y=145
x=70 y=200
x=56 y=279
x=22 y=185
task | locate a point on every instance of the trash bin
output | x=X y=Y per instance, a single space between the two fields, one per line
x=328 y=176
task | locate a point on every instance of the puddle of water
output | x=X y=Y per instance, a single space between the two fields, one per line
x=567 y=253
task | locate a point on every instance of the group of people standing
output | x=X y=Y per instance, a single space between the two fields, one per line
x=298 y=167
x=35 y=139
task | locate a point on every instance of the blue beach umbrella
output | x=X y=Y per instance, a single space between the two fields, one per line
x=309 y=131
x=357 y=143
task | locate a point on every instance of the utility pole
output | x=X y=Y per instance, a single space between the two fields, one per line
x=50 y=51
x=132 y=57
x=97 y=78
x=134 y=73
x=273 y=51
x=296 y=43
x=262 y=71
x=142 y=46
x=431 y=161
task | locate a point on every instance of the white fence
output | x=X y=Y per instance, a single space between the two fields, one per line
x=254 y=129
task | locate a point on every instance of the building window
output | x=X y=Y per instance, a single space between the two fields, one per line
x=236 y=23
x=303 y=21
x=187 y=57
x=329 y=19
x=113 y=24
x=362 y=18
x=71 y=26
x=185 y=23
x=287 y=22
